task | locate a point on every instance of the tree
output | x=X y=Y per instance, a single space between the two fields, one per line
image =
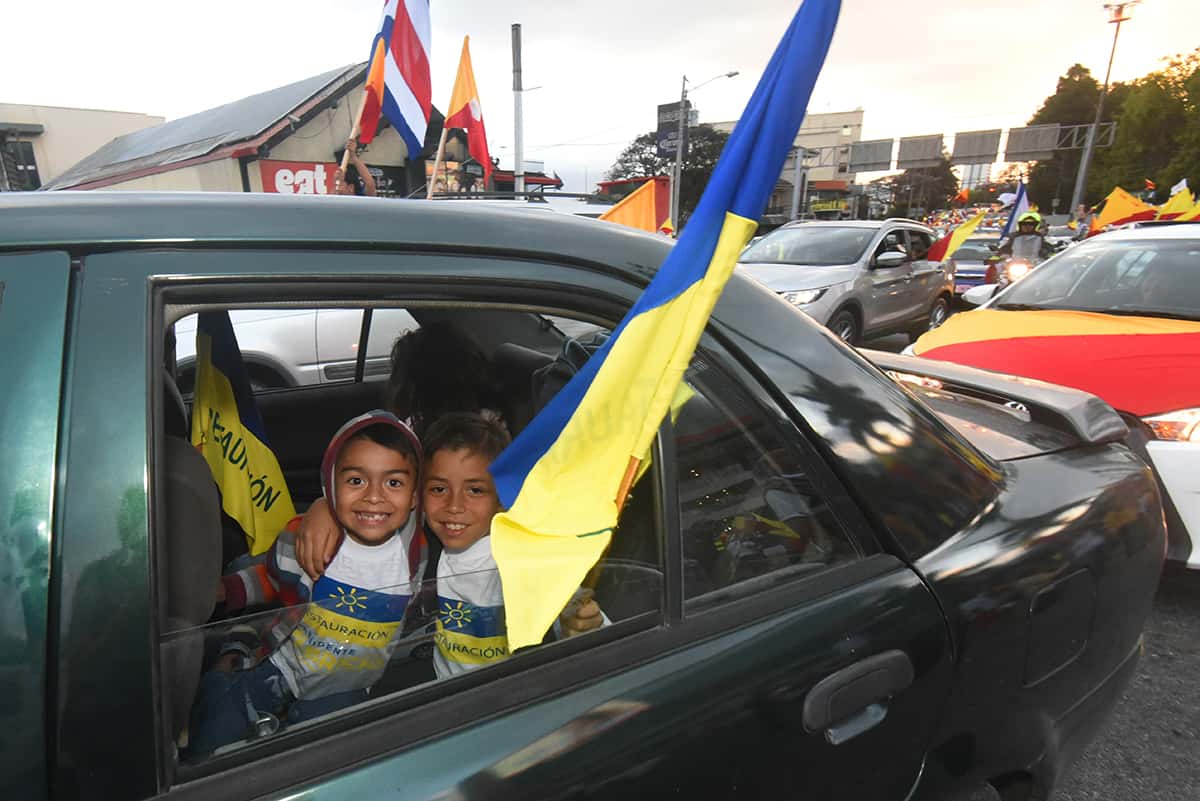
x=923 y=189
x=1158 y=133
x=1073 y=103
x=640 y=158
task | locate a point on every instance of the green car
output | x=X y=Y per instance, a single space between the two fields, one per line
x=832 y=581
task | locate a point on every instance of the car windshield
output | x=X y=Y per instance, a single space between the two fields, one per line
x=974 y=250
x=1159 y=278
x=816 y=245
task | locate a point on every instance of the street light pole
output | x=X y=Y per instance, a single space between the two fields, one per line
x=677 y=169
x=1116 y=15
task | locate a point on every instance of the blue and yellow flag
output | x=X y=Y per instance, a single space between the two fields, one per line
x=560 y=478
x=228 y=432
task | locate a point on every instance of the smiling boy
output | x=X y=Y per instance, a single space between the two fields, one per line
x=460 y=501
x=352 y=621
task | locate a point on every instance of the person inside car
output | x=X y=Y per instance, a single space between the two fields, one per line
x=435 y=371
x=328 y=659
x=1028 y=244
x=460 y=501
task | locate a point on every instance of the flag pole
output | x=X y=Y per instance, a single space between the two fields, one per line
x=437 y=163
x=631 y=471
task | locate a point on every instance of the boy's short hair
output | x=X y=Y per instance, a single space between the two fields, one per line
x=478 y=433
x=389 y=437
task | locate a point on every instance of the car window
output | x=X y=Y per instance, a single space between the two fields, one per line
x=1154 y=277
x=749 y=504
x=919 y=243
x=973 y=251
x=892 y=242
x=297 y=347
x=250 y=648
x=813 y=245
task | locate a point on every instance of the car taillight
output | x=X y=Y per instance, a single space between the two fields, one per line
x=1179 y=426
x=989 y=276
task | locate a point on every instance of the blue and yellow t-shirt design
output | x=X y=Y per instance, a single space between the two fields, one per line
x=345 y=639
x=470 y=635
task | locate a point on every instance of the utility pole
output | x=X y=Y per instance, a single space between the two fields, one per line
x=675 y=170
x=1116 y=16
x=518 y=121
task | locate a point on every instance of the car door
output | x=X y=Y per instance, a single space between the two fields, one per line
x=889 y=287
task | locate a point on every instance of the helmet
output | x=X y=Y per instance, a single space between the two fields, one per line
x=1030 y=216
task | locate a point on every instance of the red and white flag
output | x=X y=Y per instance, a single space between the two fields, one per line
x=398 y=77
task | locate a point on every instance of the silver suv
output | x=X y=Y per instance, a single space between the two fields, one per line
x=859 y=278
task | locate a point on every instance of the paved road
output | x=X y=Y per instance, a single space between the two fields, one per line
x=1149 y=750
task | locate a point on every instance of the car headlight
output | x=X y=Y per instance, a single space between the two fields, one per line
x=1180 y=426
x=802 y=297
x=1018 y=270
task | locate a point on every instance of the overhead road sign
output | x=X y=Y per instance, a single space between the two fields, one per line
x=975 y=147
x=1032 y=143
x=871 y=155
x=917 y=152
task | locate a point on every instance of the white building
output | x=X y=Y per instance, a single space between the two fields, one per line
x=42 y=142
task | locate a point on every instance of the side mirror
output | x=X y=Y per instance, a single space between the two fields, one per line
x=890 y=259
x=978 y=295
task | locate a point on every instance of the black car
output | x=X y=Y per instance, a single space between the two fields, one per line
x=832 y=582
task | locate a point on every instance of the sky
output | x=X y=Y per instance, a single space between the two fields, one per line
x=594 y=71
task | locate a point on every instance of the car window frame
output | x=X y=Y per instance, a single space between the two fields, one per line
x=393 y=724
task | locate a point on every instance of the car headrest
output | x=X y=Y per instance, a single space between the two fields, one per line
x=175 y=415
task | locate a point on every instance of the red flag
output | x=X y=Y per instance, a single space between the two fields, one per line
x=466 y=112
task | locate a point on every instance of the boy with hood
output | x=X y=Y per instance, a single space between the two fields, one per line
x=352 y=615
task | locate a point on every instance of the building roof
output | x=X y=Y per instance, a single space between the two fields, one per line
x=204 y=133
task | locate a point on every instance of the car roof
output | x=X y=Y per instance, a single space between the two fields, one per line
x=115 y=219
x=854 y=223
x=1168 y=230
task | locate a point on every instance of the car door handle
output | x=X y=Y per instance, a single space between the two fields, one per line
x=849 y=702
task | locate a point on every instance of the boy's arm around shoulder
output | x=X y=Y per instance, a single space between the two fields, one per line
x=273 y=575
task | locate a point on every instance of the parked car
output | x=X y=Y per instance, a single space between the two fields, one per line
x=859 y=278
x=829 y=582
x=970 y=262
x=1118 y=316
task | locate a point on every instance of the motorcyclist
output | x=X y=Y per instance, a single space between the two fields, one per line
x=1028 y=243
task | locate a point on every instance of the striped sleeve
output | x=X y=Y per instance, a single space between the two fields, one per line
x=273 y=576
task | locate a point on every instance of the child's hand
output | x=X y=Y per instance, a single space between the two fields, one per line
x=581 y=615
x=317 y=539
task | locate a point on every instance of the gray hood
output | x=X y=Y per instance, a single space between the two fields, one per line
x=789 y=277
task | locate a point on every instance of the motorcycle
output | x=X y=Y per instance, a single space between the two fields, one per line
x=1004 y=271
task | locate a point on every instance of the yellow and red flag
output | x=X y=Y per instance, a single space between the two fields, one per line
x=1120 y=207
x=1133 y=363
x=944 y=248
x=466 y=112
x=648 y=207
x=1181 y=203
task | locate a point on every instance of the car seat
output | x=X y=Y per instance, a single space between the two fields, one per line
x=188 y=560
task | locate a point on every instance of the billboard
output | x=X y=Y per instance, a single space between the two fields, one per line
x=871 y=155
x=668 y=128
x=975 y=147
x=297 y=177
x=919 y=151
x=1032 y=143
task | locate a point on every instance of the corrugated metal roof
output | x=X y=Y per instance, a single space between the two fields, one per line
x=201 y=133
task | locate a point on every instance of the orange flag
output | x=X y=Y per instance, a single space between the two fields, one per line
x=647 y=207
x=465 y=112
